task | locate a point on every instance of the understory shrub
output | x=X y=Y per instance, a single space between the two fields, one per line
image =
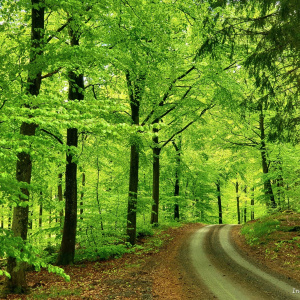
x=256 y=232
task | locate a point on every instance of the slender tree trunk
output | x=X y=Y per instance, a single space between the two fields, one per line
x=288 y=198
x=176 y=194
x=135 y=94
x=2 y=217
x=263 y=150
x=30 y=219
x=82 y=196
x=17 y=282
x=9 y=217
x=252 y=204
x=67 y=249
x=245 y=212
x=132 y=197
x=41 y=216
x=97 y=192
x=155 y=186
x=50 y=221
x=280 y=184
x=60 y=197
x=238 y=202
x=177 y=186
x=218 y=184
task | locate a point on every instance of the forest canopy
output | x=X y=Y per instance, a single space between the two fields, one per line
x=121 y=116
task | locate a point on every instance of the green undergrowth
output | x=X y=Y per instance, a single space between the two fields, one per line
x=149 y=239
x=270 y=227
x=54 y=293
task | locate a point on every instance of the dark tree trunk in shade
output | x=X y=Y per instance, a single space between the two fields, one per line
x=176 y=205
x=177 y=186
x=97 y=192
x=238 y=202
x=82 y=196
x=155 y=183
x=135 y=93
x=252 y=204
x=218 y=184
x=60 y=197
x=2 y=216
x=263 y=150
x=132 y=197
x=67 y=249
x=9 y=217
x=17 y=282
x=41 y=216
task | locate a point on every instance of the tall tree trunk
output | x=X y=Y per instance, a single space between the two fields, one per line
x=97 y=192
x=2 y=217
x=50 y=221
x=280 y=184
x=17 y=282
x=9 y=217
x=135 y=94
x=155 y=186
x=238 y=202
x=82 y=196
x=67 y=249
x=41 y=216
x=252 y=205
x=245 y=212
x=177 y=186
x=60 y=197
x=218 y=184
x=263 y=150
x=132 y=197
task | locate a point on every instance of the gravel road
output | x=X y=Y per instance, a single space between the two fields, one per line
x=218 y=266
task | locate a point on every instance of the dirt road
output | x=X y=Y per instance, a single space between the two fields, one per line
x=227 y=274
x=195 y=262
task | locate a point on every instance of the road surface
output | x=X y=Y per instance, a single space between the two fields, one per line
x=230 y=276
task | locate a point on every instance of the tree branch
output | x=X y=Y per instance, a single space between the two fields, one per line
x=52 y=73
x=187 y=126
x=53 y=135
x=59 y=30
x=172 y=108
x=3 y=104
x=242 y=144
x=167 y=93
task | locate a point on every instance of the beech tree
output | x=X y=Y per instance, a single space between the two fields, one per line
x=76 y=87
x=17 y=282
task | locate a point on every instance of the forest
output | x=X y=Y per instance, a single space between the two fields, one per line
x=119 y=117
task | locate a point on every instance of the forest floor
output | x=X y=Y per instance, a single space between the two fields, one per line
x=161 y=269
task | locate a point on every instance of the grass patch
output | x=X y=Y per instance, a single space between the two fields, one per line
x=258 y=232
x=53 y=293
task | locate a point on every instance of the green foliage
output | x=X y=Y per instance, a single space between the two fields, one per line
x=188 y=62
x=24 y=252
x=144 y=231
x=101 y=253
x=53 y=293
x=257 y=232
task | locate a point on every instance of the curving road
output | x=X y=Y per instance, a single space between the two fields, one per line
x=228 y=275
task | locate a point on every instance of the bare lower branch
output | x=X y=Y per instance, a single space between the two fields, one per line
x=51 y=74
x=53 y=135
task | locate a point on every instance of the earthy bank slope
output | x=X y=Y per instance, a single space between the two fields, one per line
x=279 y=250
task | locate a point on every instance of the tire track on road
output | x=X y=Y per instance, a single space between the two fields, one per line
x=227 y=274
